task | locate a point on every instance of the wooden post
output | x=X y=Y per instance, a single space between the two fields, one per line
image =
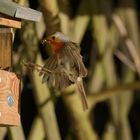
x=5 y=48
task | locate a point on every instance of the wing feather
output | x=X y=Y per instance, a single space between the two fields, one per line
x=71 y=54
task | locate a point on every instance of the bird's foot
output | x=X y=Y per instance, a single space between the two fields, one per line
x=37 y=67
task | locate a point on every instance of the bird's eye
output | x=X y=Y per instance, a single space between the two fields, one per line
x=53 y=37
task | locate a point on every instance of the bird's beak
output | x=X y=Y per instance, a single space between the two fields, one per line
x=46 y=41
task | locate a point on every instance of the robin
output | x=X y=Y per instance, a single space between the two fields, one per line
x=65 y=65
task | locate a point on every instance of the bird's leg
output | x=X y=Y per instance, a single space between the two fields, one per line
x=37 y=67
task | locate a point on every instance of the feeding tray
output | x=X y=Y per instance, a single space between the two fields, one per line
x=9 y=98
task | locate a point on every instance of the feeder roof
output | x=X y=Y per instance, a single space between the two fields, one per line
x=13 y=9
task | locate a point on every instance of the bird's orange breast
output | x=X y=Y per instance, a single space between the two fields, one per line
x=56 y=46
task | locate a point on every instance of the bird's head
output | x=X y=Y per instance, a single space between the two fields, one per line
x=56 y=41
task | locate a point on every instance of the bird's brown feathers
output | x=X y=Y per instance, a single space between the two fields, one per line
x=66 y=67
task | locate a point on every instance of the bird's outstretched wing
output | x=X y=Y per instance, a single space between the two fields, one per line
x=57 y=76
x=70 y=55
x=71 y=59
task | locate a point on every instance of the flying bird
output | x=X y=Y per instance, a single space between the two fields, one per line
x=65 y=66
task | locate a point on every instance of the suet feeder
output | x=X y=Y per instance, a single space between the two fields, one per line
x=11 y=16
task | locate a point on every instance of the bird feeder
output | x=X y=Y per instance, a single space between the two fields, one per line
x=11 y=16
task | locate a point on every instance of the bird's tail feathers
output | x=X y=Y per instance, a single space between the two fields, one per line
x=81 y=91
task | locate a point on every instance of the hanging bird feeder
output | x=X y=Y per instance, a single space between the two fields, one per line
x=11 y=16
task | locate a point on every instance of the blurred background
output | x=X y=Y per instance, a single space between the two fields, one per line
x=107 y=32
